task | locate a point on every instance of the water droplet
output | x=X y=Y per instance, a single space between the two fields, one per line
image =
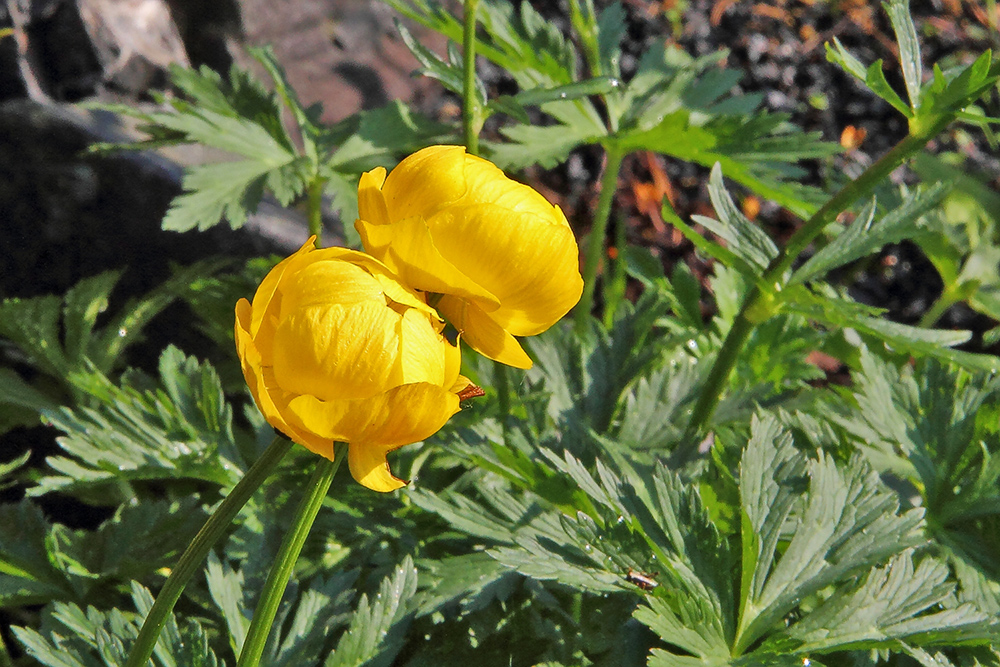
x=588 y=548
x=122 y=332
x=692 y=345
x=621 y=519
x=615 y=83
x=562 y=96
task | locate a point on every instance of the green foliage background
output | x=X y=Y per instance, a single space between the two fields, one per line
x=579 y=514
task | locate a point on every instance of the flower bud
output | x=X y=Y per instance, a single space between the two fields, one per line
x=335 y=348
x=449 y=223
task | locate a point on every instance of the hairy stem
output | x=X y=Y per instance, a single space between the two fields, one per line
x=196 y=552
x=288 y=553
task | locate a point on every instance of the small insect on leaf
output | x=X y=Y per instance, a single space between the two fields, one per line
x=642 y=580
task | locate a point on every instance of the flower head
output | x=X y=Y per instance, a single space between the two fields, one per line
x=335 y=348
x=504 y=260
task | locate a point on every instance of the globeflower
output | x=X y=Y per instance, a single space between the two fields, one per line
x=335 y=348
x=498 y=259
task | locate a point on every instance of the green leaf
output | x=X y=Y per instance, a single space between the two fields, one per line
x=839 y=55
x=377 y=137
x=29 y=572
x=72 y=637
x=375 y=633
x=909 y=47
x=837 y=313
x=863 y=237
x=743 y=238
x=181 y=430
x=611 y=30
x=846 y=523
x=447 y=71
x=898 y=602
x=875 y=78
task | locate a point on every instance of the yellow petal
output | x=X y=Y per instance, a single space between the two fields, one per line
x=270 y=399
x=323 y=283
x=266 y=291
x=410 y=252
x=338 y=352
x=425 y=182
x=422 y=350
x=483 y=334
x=452 y=367
x=371 y=204
x=402 y=415
x=530 y=263
x=369 y=468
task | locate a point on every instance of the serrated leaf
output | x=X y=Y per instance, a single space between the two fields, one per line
x=898 y=602
x=28 y=571
x=183 y=430
x=448 y=72
x=375 y=633
x=837 y=313
x=379 y=136
x=611 y=30
x=841 y=56
x=847 y=523
x=909 y=47
x=743 y=238
x=875 y=79
x=862 y=237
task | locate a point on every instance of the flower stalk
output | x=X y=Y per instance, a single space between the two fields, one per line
x=288 y=553
x=775 y=279
x=472 y=112
x=196 y=552
x=595 y=241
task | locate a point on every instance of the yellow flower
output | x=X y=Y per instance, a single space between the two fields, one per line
x=335 y=348
x=504 y=259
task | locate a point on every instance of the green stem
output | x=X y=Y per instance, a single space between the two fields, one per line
x=471 y=111
x=195 y=554
x=288 y=553
x=947 y=299
x=774 y=280
x=5 y=659
x=315 y=212
x=595 y=240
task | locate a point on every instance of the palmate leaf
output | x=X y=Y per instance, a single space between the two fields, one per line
x=74 y=637
x=29 y=570
x=846 y=523
x=375 y=633
x=240 y=116
x=311 y=612
x=931 y=426
x=181 y=430
x=59 y=336
x=376 y=137
x=888 y=606
x=42 y=561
